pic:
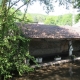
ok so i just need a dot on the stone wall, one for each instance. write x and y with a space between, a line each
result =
42 47
76 45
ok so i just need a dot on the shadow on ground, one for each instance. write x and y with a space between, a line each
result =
58 72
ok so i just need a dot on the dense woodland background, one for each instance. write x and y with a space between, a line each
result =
60 20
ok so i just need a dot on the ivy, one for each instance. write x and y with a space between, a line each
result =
13 46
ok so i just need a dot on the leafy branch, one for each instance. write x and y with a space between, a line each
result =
19 8
9 7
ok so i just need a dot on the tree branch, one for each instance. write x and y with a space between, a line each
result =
9 3
13 4
18 18
25 12
19 8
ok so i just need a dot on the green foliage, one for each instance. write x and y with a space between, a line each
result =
19 16
77 17
51 20
48 5
38 17
65 19
13 50
59 20
13 46
28 18
77 4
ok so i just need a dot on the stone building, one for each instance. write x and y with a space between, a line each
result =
48 40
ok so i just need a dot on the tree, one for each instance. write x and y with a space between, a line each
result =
65 19
59 20
51 20
77 17
19 16
38 17
28 18
77 4
13 46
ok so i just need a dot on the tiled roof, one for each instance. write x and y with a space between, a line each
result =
49 31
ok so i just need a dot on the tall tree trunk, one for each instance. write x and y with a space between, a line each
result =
4 12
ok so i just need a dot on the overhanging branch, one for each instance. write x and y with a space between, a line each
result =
25 12
12 4
19 8
9 3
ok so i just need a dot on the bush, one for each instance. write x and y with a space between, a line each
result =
13 46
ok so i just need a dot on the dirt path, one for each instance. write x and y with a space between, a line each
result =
58 72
